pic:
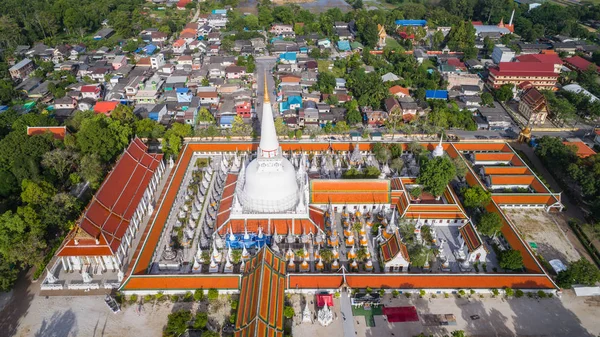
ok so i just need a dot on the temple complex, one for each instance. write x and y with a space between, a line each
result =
261 219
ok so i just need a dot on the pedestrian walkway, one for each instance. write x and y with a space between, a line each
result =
346 310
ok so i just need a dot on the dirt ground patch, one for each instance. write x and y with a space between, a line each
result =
543 229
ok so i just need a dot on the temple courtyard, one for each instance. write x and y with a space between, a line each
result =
568 316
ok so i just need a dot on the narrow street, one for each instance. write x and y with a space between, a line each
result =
346 310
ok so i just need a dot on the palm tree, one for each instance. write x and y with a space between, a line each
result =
326 255
357 226
361 254
236 256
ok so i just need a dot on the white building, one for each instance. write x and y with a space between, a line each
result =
502 54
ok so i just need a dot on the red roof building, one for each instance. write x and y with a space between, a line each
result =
182 3
541 75
105 107
582 150
399 91
578 63
106 229
59 132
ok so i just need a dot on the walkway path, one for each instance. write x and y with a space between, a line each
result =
346 310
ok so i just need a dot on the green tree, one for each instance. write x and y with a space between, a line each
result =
60 161
504 93
458 333
7 91
103 136
325 82
510 259
91 169
341 127
288 312
438 40
213 294
476 196
8 275
173 138
280 128
397 164
579 272
124 114
239 127
435 174
204 116
461 167
37 193
367 32
487 98
490 223
200 320
21 236
353 117
148 128
461 37
177 323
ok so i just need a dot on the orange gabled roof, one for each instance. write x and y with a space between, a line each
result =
350 191
105 107
398 89
470 236
59 132
512 179
497 156
260 311
508 170
182 282
581 149
392 247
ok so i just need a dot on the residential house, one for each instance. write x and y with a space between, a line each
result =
399 91
105 107
389 77
240 45
104 34
184 60
65 103
76 51
217 21
179 46
119 61
287 80
533 106
541 75
436 94
374 118
456 80
565 47
157 112
502 54
324 43
408 107
392 106
343 46
157 61
258 44
496 117
21 70
344 34
279 29
208 96
235 72
243 108
204 30
61 53
184 95
532 48
470 90
340 83
226 120
580 64
91 91
474 64
85 104
292 103
309 117
158 38
214 38
288 58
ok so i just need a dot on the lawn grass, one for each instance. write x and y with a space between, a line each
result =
323 65
369 319
391 43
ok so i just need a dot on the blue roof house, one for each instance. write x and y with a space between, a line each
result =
343 45
292 103
436 94
414 23
219 11
304 50
184 95
226 121
288 57
149 49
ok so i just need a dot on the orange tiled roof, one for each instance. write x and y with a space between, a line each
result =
471 237
350 191
58 132
182 282
500 156
508 170
511 179
105 107
582 150
260 311
392 247
108 215
398 89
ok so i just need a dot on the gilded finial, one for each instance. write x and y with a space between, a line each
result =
266 93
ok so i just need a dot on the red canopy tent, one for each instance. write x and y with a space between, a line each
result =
324 298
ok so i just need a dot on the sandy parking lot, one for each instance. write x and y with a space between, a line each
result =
543 229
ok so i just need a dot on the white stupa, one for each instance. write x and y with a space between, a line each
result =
270 184
439 149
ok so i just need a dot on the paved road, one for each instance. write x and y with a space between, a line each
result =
348 319
264 64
